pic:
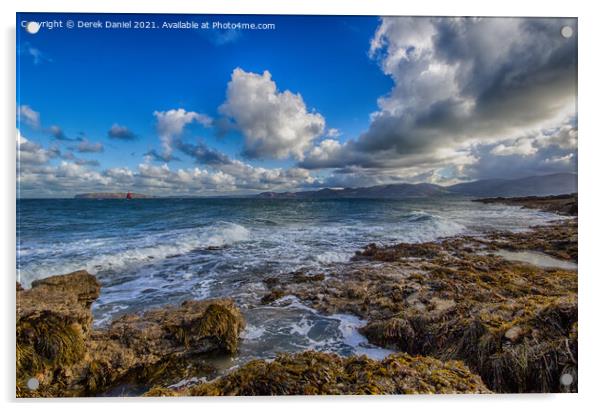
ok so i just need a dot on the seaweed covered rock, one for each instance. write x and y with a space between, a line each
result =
523 346
513 323
53 324
315 373
144 347
57 345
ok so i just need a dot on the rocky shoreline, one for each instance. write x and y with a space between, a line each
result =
462 319
561 204
57 345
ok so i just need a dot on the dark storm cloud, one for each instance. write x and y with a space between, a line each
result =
461 83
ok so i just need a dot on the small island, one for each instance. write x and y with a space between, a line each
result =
111 196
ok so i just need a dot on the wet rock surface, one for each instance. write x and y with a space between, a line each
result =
315 373
57 345
512 323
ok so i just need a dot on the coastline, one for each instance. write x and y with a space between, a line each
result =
439 302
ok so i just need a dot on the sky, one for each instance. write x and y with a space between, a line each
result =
303 103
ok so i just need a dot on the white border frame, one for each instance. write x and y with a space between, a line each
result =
589 187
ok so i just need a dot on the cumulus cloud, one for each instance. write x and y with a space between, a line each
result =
29 152
458 84
87 162
171 123
29 116
86 146
564 137
48 172
58 133
274 124
333 132
119 132
203 154
32 118
521 147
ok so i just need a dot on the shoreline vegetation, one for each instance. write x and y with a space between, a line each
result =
461 318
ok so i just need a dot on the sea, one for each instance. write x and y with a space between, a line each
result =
147 253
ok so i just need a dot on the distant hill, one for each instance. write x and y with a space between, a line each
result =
553 184
107 196
383 191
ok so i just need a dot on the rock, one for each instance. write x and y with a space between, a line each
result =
315 373
272 296
203 326
513 333
300 277
565 204
57 345
438 299
53 324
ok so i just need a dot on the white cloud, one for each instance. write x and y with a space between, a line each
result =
521 147
29 116
327 149
333 132
31 153
171 123
564 137
566 159
274 124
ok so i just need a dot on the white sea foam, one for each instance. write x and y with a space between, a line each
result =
349 326
301 327
232 233
252 332
125 253
328 257
420 227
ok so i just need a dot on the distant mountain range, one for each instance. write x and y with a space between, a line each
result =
552 184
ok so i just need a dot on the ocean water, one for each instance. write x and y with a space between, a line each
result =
148 253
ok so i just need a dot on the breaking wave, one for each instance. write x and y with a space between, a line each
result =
123 253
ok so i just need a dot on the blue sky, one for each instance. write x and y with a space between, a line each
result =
89 79
335 100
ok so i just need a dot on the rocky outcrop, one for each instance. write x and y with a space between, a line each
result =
57 345
512 323
565 204
315 373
